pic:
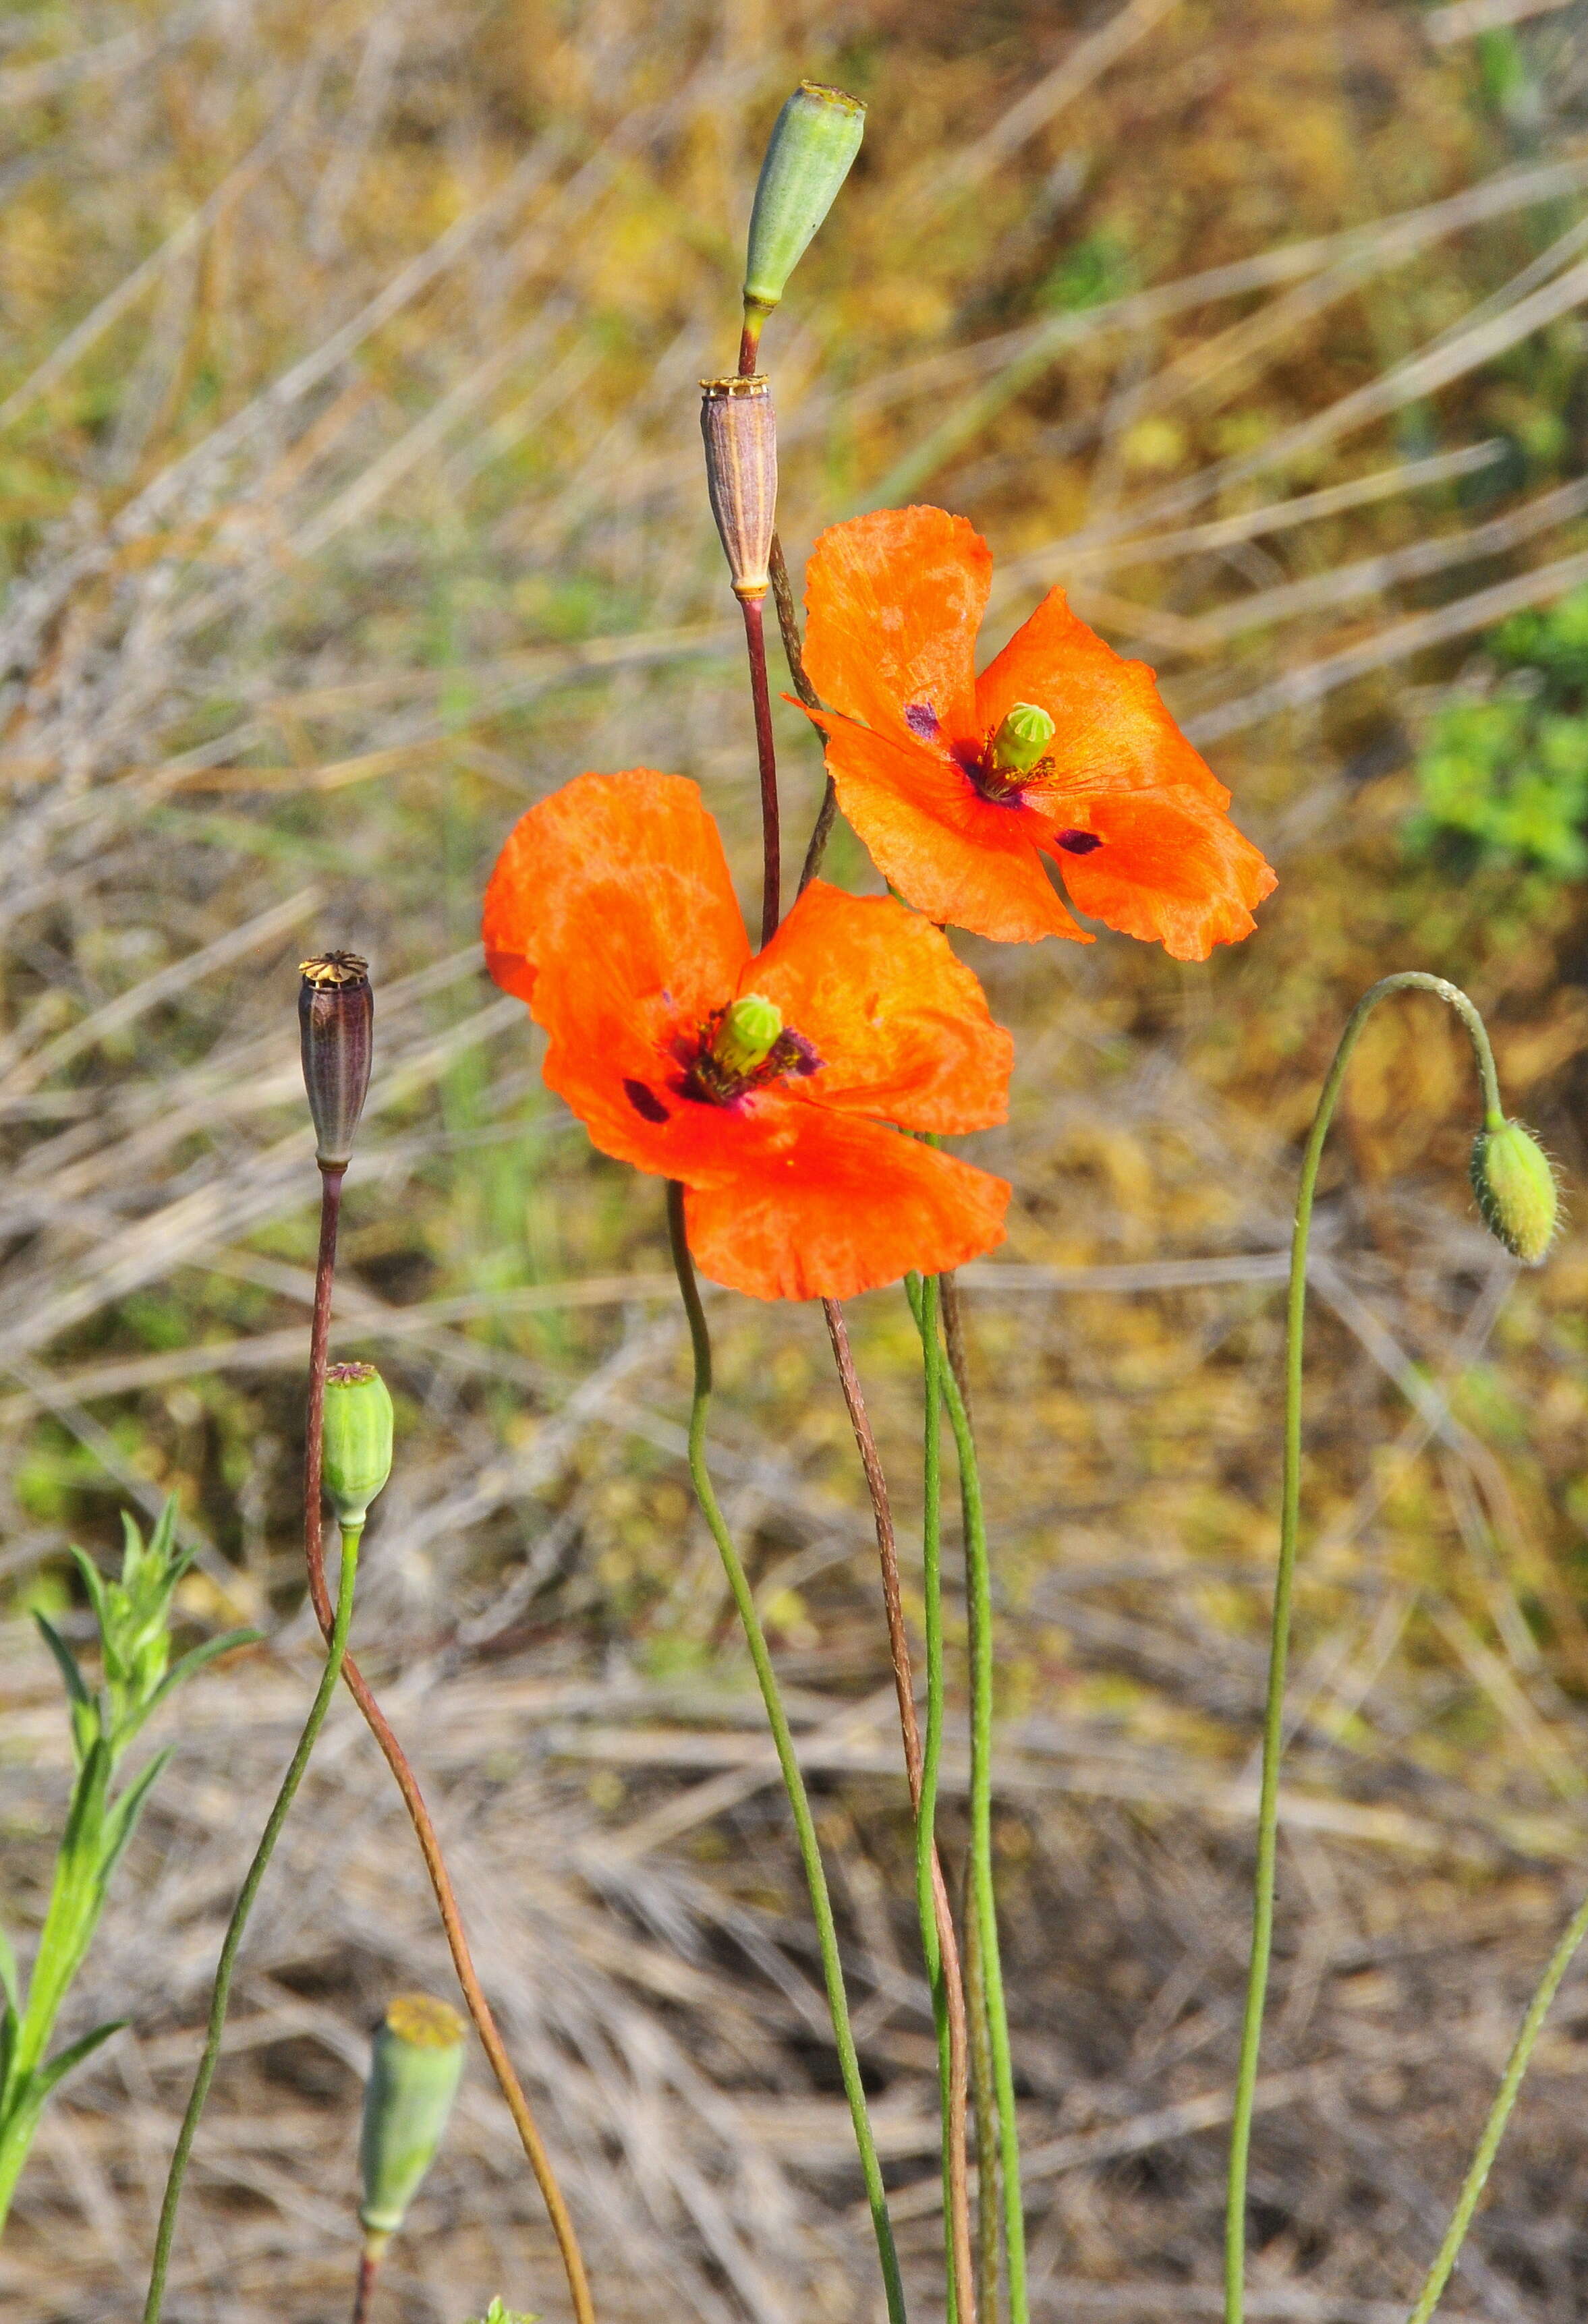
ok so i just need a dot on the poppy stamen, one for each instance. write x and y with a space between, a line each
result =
743 1048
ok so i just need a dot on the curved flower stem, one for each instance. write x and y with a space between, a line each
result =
772 854
1268 1812
954 2068
1505 2097
232 1943
978 1600
396 1759
926 1805
783 1741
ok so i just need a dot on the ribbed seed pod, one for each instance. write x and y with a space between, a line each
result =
413 2079
816 138
357 1440
335 1030
741 431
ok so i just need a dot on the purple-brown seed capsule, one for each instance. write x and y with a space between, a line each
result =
336 1023
741 431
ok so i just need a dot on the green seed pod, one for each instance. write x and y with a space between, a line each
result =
1515 1186
357 1457
817 137
1021 739
413 2077
747 1033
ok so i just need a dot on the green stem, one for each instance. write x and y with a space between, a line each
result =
978 1600
1268 1812
926 1813
985 2095
1505 2097
783 1741
239 1920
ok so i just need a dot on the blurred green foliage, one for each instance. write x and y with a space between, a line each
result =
1503 776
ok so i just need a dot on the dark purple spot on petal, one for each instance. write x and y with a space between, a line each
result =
645 1103
802 1054
1076 843
922 721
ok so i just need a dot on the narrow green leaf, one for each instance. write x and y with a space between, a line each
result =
195 1660
68 2060
66 1661
123 1819
10 1978
93 1583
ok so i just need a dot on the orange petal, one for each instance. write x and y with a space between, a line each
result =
901 1026
950 851
1171 867
610 911
619 879
844 1207
1113 730
895 600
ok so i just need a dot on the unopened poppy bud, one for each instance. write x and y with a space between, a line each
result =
1021 739
336 1025
1514 1183
356 1460
747 1033
816 138
740 432
413 2079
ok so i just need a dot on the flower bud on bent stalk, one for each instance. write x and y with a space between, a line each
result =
814 141
1516 1190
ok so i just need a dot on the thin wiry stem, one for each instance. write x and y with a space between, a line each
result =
978 1602
783 1741
771 856
1268 1811
1505 2097
232 1943
369 2263
954 2069
396 1759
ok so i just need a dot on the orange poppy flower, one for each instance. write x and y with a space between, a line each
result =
959 785
765 1084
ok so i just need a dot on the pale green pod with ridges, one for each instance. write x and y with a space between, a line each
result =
358 1426
816 138
412 2081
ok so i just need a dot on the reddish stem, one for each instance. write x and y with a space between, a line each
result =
368 2263
771 858
479 2008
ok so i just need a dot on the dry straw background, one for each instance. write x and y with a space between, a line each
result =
351 500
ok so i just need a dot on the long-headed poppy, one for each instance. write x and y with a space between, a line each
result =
765 1085
959 785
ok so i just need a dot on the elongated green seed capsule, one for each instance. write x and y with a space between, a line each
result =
1516 1190
747 1033
413 2079
816 138
1021 739
357 1458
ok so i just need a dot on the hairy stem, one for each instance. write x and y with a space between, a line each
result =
979 1601
419 1814
232 1943
783 1741
954 2061
1267 1812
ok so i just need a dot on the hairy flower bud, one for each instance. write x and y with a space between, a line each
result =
336 1025
1021 739
816 138
747 1033
413 2079
1515 1186
358 1451
741 431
